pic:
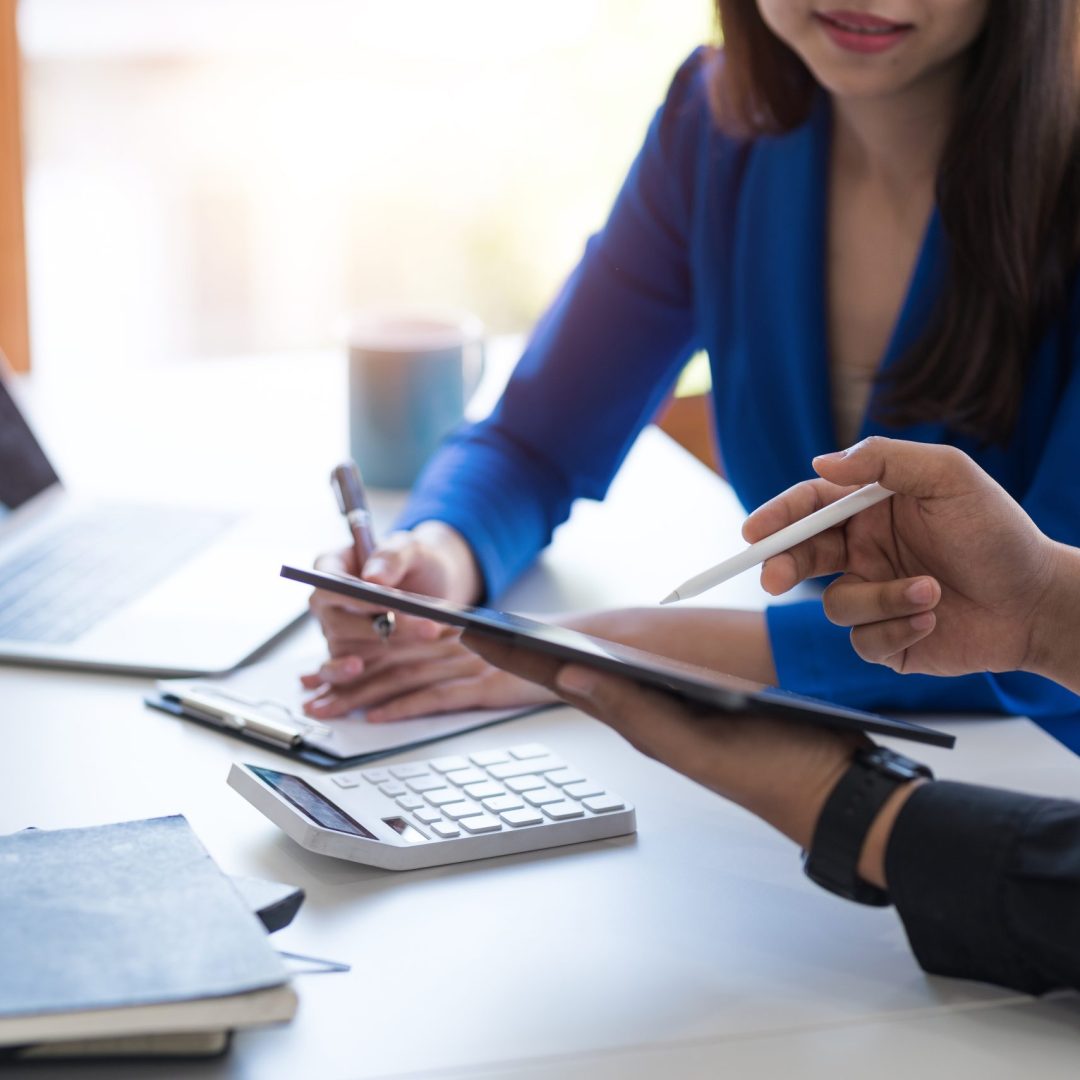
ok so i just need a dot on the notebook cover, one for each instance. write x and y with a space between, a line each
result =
130 914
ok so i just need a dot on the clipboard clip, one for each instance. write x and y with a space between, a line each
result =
239 716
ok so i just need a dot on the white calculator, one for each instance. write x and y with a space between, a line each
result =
445 810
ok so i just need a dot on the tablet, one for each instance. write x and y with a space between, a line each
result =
726 693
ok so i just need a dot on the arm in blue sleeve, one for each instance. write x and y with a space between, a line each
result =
814 657
596 368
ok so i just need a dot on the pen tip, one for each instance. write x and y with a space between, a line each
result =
670 598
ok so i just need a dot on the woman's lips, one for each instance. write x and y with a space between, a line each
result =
861 32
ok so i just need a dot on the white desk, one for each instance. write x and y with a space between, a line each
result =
695 949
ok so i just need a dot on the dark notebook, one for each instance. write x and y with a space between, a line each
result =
128 930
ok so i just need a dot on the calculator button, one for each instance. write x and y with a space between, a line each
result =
528 750
376 776
457 810
448 764
489 757
427 782
427 816
488 789
543 795
562 777
602 804
503 802
525 783
466 776
403 772
445 829
584 789
346 780
393 789
562 811
523 768
480 823
443 796
410 802
525 816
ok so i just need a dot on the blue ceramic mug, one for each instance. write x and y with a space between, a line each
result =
411 372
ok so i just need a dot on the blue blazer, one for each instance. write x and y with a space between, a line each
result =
719 243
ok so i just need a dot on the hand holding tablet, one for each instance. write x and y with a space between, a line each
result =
703 686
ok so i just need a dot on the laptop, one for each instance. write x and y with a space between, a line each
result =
165 590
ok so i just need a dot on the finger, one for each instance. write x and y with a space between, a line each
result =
791 506
375 652
342 561
379 657
850 601
886 642
335 671
355 660
355 620
525 663
391 561
333 607
390 684
923 470
451 696
825 553
653 722
366 648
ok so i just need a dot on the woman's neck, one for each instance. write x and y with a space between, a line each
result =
897 141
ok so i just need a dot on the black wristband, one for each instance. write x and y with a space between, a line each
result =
849 811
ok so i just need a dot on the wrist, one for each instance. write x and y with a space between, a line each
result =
1052 648
465 582
796 809
847 852
871 866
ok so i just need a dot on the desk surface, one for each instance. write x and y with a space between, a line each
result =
695 948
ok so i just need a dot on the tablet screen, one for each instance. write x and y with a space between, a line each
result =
728 693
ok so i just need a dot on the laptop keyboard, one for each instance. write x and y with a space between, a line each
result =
94 563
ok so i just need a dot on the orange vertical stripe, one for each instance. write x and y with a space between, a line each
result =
14 314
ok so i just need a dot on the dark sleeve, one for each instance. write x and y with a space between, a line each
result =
597 367
987 883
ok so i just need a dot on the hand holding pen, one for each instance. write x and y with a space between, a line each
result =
370 661
353 504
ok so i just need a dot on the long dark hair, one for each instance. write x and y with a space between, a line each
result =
1008 192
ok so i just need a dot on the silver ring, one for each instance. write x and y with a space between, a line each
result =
384 624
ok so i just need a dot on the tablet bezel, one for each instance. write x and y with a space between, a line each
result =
702 686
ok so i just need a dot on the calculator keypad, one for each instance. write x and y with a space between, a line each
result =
520 787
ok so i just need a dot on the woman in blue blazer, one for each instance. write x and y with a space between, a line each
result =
870 220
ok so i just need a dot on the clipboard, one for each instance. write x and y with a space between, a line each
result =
697 685
260 705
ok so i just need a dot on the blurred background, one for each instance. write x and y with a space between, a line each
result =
215 177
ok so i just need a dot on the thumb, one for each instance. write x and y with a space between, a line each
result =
922 470
602 694
389 565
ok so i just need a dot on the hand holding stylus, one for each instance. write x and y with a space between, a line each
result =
790 536
944 578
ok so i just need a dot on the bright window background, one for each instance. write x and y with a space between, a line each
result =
213 177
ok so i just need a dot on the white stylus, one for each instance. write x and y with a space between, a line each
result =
786 538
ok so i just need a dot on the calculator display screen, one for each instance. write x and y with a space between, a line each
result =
305 798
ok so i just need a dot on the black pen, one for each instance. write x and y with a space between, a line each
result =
352 501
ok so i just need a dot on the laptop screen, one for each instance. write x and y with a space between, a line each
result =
24 469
